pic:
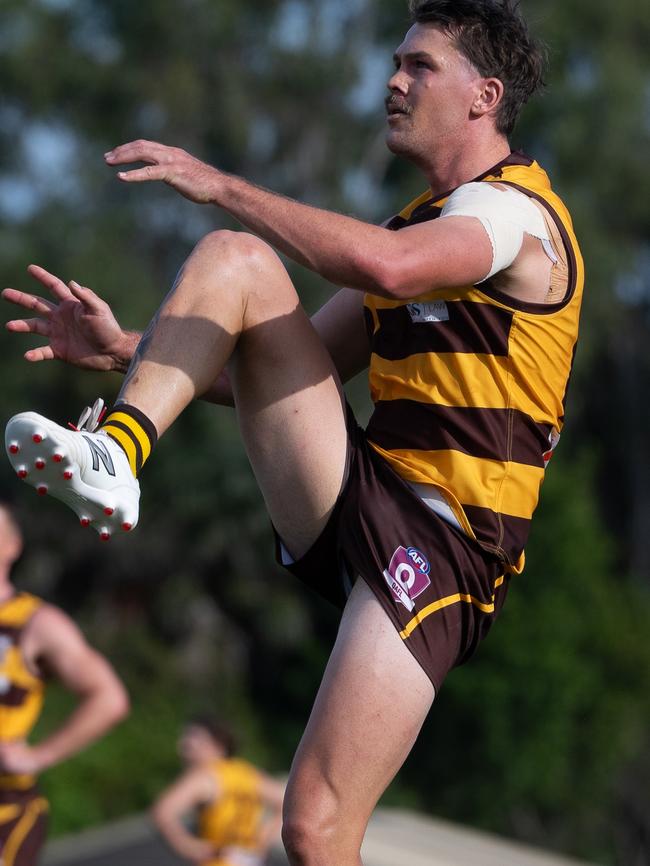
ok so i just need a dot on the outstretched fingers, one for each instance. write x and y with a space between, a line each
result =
56 286
138 151
29 302
41 327
149 172
42 353
91 302
155 154
29 326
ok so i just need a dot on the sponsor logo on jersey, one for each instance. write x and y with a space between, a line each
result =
428 311
407 575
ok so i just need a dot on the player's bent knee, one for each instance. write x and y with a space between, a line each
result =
244 265
232 249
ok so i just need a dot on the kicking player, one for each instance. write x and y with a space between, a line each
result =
237 806
37 640
465 306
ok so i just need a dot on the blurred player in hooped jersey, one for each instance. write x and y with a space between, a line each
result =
237 806
38 641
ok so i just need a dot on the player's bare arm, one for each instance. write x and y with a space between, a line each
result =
272 795
343 250
193 789
54 645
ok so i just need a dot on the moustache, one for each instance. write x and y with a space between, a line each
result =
396 103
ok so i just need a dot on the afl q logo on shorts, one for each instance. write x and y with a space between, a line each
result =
407 575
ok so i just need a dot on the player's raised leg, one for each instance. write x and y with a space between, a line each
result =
233 300
370 707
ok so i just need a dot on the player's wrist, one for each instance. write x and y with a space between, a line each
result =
122 354
42 757
219 187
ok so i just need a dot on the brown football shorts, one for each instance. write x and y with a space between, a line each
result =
23 826
441 590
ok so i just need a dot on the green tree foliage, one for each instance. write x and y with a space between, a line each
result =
544 735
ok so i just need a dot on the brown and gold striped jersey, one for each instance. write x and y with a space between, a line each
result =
469 384
234 819
21 691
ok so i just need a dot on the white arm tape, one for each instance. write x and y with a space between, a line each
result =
505 215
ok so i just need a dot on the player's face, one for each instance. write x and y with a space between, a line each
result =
196 745
431 94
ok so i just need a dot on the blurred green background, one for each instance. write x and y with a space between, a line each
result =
545 735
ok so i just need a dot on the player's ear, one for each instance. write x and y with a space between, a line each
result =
489 93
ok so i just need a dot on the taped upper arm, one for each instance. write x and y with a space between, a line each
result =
505 214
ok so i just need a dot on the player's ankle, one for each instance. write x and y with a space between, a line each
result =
133 431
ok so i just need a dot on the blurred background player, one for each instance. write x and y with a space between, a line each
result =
37 640
238 807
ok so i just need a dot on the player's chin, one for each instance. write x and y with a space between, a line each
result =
397 142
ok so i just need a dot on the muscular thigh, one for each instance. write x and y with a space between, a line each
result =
291 411
369 710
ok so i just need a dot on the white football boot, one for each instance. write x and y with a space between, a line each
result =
86 470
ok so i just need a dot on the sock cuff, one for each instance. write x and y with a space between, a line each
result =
137 415
133 432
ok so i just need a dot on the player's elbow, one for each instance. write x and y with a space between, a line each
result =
157 815
163 817
118 704
391 280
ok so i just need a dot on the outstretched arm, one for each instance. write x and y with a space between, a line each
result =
188 793
345 251
81 329
54 643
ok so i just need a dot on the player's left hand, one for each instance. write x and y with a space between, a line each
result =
79 325
18 758
194 179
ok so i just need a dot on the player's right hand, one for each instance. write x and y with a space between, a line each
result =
196 180
79 326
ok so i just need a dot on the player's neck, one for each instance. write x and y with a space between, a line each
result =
448 169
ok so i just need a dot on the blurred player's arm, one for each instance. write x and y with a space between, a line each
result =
58 648
272 794
81 329
192 790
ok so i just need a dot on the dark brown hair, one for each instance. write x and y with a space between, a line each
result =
494 37
219 732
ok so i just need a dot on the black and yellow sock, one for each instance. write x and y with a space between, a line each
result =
133 432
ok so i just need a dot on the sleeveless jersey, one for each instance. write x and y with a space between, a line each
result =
469 384
234 819
21 691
